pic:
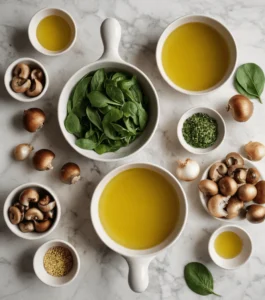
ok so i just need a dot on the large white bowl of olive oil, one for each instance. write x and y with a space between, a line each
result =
196 54
138 210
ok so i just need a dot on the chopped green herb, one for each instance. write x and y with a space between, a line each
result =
200 130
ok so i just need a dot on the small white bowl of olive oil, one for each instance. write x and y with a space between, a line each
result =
52 31
230 247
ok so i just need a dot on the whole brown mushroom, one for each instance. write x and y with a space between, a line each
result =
255 213
253 176
234 158
260 197
70 173
234 207
42 160
247 192
33 119
227 186
208 187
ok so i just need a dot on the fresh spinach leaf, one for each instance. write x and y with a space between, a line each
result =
121 130
94 117
129 109
142 115
80 91
136 93
87 144
105 109
127 83
199 279
72 123
115 93
242 91
251 78
119 76
98 99
129 125
113 116
97 81
89 133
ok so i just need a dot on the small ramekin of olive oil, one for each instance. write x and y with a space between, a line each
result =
52 31
230 246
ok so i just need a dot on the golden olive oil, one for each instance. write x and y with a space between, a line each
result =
54 33
228 244
139 208
195 56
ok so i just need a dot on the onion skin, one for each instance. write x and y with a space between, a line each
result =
33 119
42 160
255 151
241 108
22 151
70 173
187 170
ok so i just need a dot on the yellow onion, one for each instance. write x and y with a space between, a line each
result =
255 151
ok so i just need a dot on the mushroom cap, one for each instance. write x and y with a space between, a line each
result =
234 207
216 206
247 192
33 119
47 207
42 226
34 214
20 85
234 158
35 88
253 176
227 186
260 197
255 213
217 171
42 160
37 74
70 173
22 70
27 226
208 187
27 196
15 215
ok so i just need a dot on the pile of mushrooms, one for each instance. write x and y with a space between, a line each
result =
32 212
28 81
232 189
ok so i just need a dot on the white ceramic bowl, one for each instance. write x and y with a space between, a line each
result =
34 22
212 113
237 261
13 198
47 278
226 34
139 260
204 199
33 63
111 61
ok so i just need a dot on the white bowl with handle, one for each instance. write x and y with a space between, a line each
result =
139 260
111 61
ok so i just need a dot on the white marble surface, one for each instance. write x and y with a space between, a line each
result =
103 274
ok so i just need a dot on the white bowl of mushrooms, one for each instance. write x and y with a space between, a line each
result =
233 189
26 80
32 211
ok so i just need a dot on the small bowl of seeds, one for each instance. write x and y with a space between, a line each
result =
201 130
56 263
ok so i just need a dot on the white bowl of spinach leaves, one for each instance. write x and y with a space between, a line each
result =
108 110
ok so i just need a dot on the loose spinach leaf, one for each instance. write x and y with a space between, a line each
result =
199 279
242 91
94 117
115 93
97 81
87 144
251 78
98 99
80 91
72 123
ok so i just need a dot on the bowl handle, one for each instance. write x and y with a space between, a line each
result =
138 273
110 34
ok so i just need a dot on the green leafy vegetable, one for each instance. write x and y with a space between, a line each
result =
106 111
199 279
249 81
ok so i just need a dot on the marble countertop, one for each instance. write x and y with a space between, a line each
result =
103 274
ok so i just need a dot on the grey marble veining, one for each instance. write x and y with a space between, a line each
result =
103 274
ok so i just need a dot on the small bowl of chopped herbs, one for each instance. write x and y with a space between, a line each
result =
201 130
56 263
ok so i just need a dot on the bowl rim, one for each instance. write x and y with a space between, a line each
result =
127 252
10 199
42 49
213 237
68 245
17 96
159 48
90 68
203 200
182 141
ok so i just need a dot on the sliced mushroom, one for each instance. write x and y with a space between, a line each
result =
234 207
260 197
20 206
217 171
46 204
247 192
208 187
20 85
27 196
240 176
227 186
37 74
253 176
234 158
15 215
34 214
216 206
35 89
22 70
26 226
42 226
49 215
255 213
